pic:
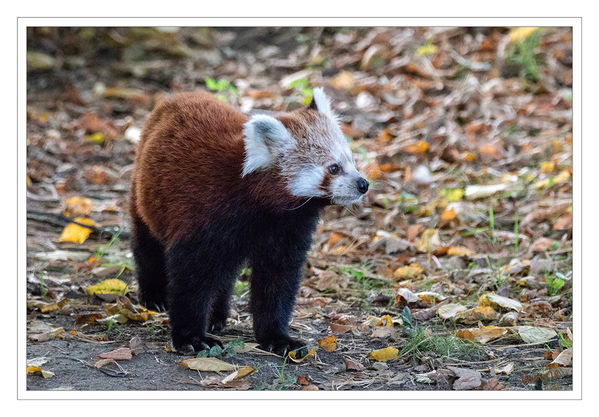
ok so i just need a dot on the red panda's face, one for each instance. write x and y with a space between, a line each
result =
309 150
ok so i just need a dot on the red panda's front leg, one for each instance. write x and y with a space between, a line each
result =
277 262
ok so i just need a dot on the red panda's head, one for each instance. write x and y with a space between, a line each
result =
309 151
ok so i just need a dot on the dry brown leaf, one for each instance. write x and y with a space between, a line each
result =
120 354
208 365
352 365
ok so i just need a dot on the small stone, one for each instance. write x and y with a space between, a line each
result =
379 366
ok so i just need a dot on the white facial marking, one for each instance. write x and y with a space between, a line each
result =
265 137
306 183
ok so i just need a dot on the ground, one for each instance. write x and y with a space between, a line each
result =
459 264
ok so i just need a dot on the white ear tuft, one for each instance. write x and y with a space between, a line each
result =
322 102
265 138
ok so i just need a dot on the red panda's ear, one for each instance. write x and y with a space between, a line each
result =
321 102
265 138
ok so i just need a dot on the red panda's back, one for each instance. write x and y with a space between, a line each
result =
189 157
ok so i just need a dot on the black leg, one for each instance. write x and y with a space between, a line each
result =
150 267
197 274
276 275
220 308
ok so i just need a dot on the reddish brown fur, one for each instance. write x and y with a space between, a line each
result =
188 167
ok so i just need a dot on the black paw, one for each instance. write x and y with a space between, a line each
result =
196 345
283 346
153 304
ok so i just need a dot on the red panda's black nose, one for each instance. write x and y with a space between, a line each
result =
362 185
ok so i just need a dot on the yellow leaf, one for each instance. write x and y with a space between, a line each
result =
383 355
109 286
483 334
75 233
208 365
408 272
448 215
328 343
95 138
33 369
547 166
54 306
474 315
77 206
469 157
386 321
459 251
311 353
427 49
343 81
452 194
240 373
518 34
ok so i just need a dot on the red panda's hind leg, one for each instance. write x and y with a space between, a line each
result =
150 269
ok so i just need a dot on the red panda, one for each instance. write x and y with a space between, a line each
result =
212 190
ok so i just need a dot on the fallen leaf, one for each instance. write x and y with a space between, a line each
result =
310 354
54 306
405 297
506 369
207 365
498 302
452 195
408 272
467 378
343 81
541 245
103 362
352 365
459 251
530 334
483 334
474 192
418 147
382 355
328 343
109 286
448 215
563 359
474 315
340 328
521 33
77 206
449 311
492 384
430 296
240 373
120 354
429 241
75 233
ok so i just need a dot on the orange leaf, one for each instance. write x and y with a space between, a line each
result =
328 343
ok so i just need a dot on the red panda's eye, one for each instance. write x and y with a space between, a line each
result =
334 169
